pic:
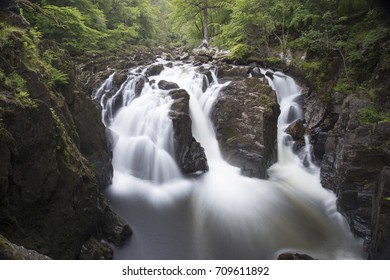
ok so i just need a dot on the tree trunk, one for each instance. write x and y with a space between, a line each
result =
205 41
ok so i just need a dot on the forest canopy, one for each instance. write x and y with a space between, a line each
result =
241 25
344 31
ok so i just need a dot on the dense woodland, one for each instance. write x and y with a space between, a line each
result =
343 38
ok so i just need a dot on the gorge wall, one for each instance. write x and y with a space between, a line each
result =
54 159
352 150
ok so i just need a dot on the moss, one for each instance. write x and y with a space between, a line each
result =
240 52
16 84
344 85
313 72
266 100
65 147
371 115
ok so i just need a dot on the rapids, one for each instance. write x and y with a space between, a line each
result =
220 214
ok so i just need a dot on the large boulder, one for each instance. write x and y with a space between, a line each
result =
245 119
165 85
232 72
354 167
154 70
190 154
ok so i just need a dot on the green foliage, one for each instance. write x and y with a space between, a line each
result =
314 72
15 83
58 77
344 85
240 52
187 19
84 25
371 115
67 26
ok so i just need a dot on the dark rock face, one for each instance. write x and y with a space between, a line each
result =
355 157
54 155
10 251
114 228
320 118
189 153
245 117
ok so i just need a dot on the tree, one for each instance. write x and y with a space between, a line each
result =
189 13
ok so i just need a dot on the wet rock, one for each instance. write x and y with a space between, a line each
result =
206 72
314 110
355 155
256 72
207 78
184 56
190 155
93 143
245 117
297 130
114 228
164 85
10 251
139 85
291 256
201 58
154 70
95 250
231 72
120 78
270 74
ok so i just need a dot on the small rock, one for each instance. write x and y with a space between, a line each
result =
256 73
297 130
291 256
95 250
270 74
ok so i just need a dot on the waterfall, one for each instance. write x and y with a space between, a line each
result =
221 214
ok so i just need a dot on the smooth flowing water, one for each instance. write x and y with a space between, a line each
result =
220 214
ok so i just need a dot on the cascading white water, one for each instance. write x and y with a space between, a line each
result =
221 214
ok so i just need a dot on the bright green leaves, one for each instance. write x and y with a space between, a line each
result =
79 26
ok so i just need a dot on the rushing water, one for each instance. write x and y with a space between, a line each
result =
221 214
